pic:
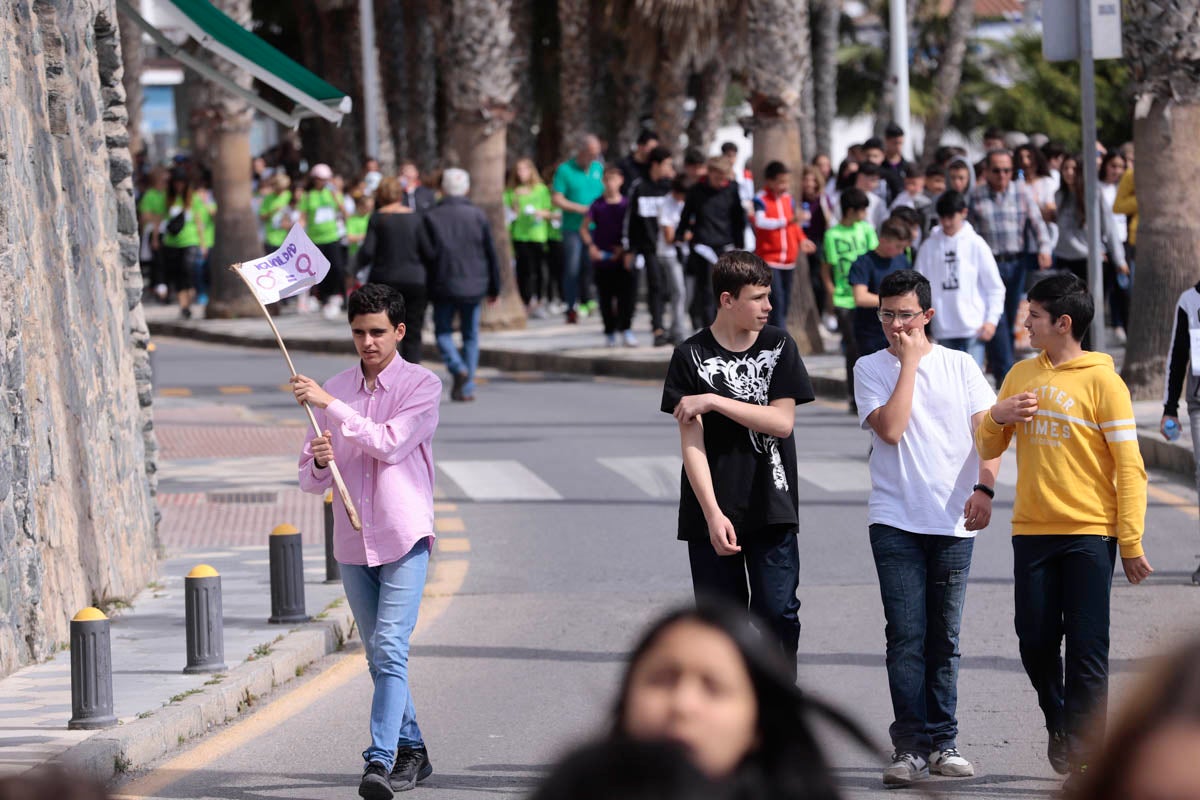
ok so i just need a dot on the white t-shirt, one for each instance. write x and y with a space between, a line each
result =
921 484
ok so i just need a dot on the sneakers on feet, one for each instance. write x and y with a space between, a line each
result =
905 769
412 767
662 339
572 316
1056 752
610 340
374 784
950 763
456 391
630 339
1196 576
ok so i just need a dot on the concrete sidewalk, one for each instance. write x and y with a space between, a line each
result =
551 346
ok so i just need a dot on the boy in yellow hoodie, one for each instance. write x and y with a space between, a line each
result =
1081 493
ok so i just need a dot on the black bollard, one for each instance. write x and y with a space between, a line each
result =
333 573
204 623
287 576
91 672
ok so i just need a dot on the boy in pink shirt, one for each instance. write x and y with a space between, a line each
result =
381 416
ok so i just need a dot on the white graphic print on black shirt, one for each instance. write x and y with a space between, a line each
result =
753 474
748 379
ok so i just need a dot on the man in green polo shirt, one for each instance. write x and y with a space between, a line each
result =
577 184
320 209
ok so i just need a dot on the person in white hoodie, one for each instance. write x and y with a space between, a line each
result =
967 290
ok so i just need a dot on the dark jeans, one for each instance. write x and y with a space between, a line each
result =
615 286
415 301
845 321
781 294
657 289
555 258
923 583
531 259
1000 347
1062 590
770 560
334 283
703 309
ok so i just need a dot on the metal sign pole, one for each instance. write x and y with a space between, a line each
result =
898 22
370 68
1087 85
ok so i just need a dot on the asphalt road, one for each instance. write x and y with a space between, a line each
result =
567 489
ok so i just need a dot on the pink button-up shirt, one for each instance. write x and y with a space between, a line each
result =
383 446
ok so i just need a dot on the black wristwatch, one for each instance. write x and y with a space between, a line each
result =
989 491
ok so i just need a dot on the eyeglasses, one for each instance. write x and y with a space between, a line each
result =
905 317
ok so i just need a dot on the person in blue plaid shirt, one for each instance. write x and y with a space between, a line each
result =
1003 212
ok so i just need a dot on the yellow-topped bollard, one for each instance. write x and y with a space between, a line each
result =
333 573
91 671
287 576
204 620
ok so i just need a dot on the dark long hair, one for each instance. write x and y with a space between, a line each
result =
177 177
789 763
1168 693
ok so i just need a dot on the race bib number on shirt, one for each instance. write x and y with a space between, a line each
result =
324 215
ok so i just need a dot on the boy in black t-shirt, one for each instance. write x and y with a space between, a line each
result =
733 388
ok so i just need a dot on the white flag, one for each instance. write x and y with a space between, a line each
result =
294 267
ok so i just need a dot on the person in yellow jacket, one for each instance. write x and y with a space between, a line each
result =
1081 495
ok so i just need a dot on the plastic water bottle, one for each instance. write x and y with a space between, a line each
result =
1171 429
1123 279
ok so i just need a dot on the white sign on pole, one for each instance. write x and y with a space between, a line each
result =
297 265
1060 29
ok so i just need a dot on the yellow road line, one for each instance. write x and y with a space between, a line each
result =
1175 501
453 545
174 391
234 389
449 525
444 508
446 581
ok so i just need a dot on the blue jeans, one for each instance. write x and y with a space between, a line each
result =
781 294
923 583
575 255
466 362
764 577
385 601
968 344
1062 591
1000 348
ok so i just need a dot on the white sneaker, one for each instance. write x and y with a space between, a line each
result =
160 291
905 769
949 763
630 339
830 322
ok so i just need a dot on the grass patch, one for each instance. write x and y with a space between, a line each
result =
215 679
179 698
121 764
145 714
301 669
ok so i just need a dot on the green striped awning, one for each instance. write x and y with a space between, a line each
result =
222 36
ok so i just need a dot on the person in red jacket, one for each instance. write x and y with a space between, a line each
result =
779 237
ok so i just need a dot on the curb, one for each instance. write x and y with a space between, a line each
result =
136 745
1155 452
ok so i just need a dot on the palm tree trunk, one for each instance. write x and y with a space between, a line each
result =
421 109
949 75
1161 42
237 232
670 93
521 139
131 79
826 15
393 73
774 70
713 85
575 74
1168 164
479 94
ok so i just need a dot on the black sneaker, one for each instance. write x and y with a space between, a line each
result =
1056 751
460 380
662 339
412 766
374 784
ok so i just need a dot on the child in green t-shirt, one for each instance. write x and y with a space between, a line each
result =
529 201
844 243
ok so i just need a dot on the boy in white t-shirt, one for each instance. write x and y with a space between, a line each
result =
930 493
965 281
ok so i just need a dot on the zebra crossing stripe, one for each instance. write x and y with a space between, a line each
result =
497 480
657 476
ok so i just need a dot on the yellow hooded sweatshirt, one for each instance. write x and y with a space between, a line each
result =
1079 469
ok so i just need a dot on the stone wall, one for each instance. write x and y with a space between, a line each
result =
77 449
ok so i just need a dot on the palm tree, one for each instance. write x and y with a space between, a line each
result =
774 75
825 16
712 86
948 76
237 231
574 75
1161 42
479 89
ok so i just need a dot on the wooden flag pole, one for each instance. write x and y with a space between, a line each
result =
351 511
